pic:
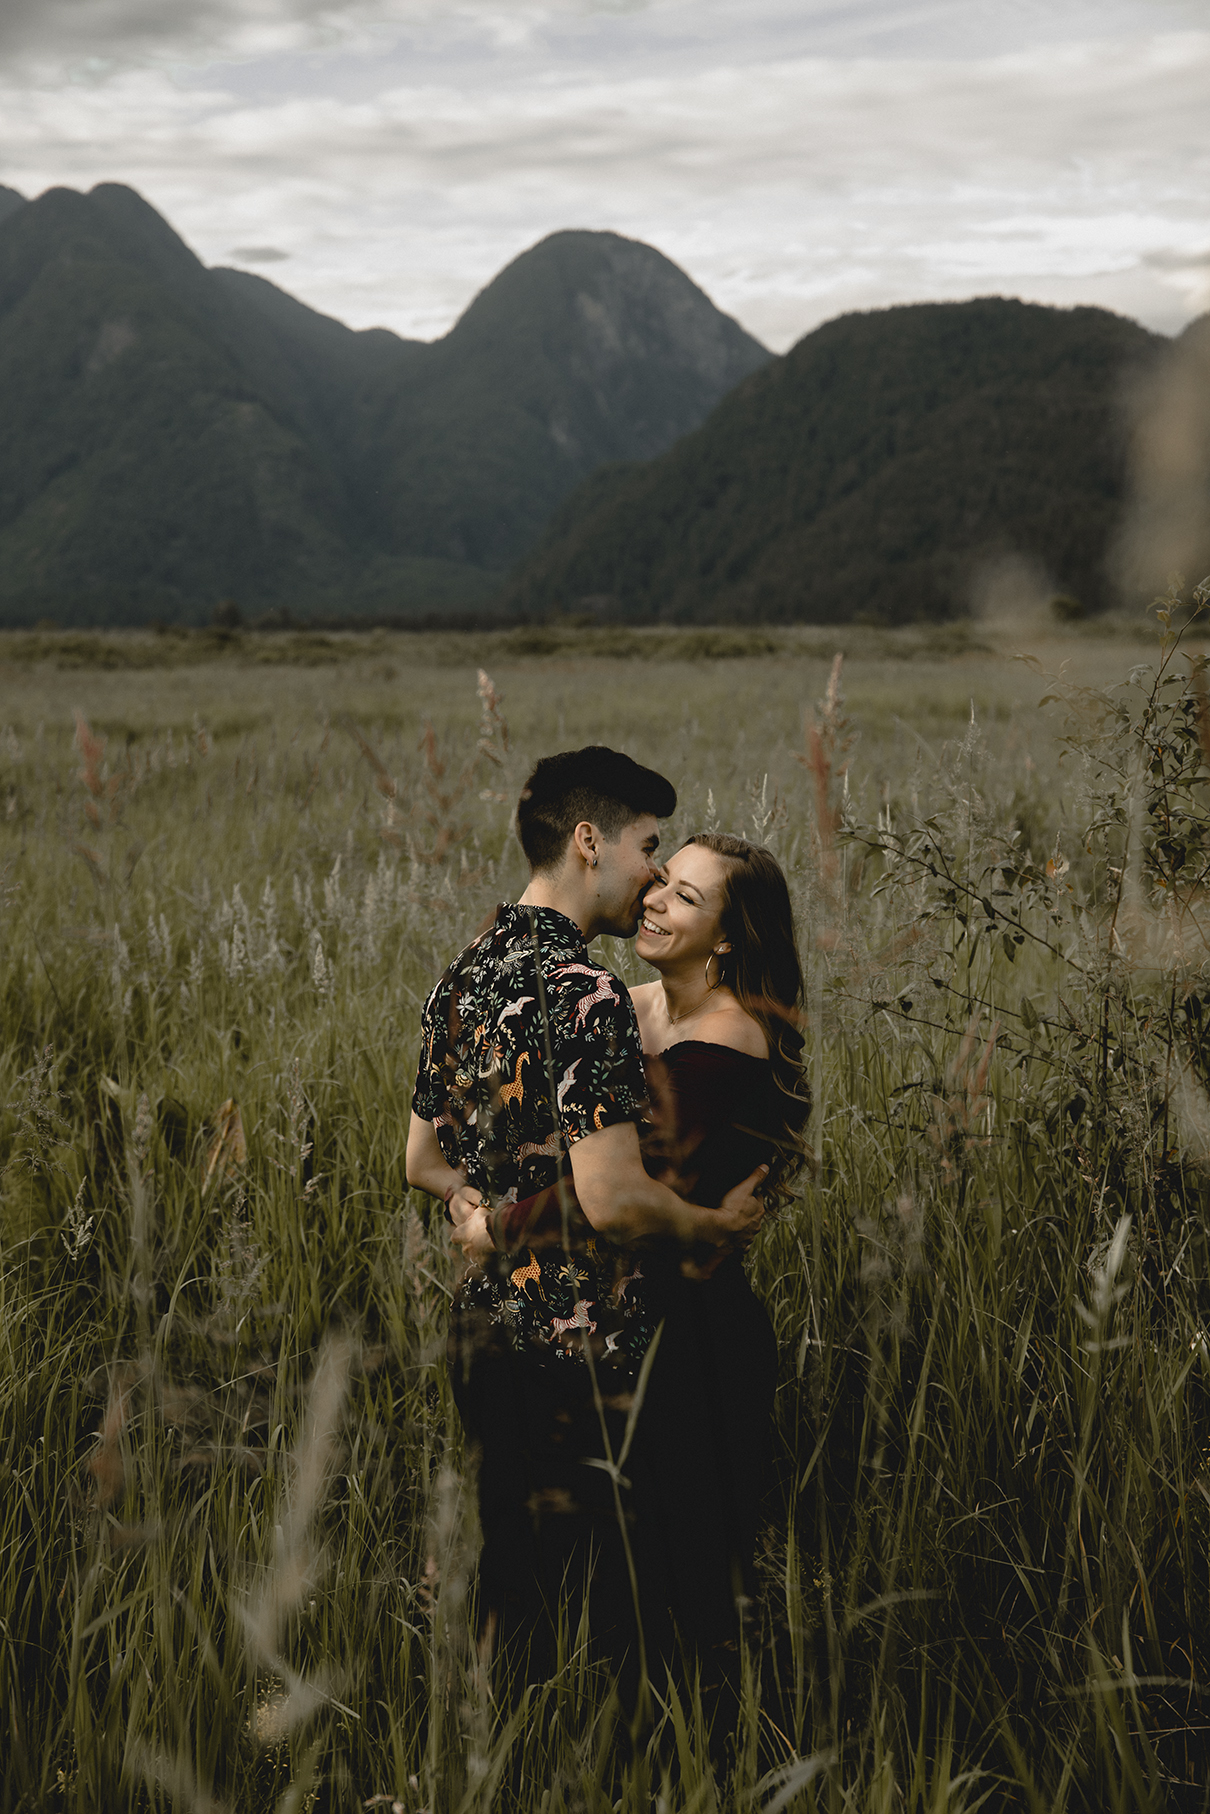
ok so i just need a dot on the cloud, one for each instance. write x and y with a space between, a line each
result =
797 158
93 39
1179 261
97 37
258 255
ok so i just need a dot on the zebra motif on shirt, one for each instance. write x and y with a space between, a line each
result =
619 1290
563 1325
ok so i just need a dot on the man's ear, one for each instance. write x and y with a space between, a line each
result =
584 842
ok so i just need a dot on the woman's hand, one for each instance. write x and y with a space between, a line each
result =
739 1216
734 1226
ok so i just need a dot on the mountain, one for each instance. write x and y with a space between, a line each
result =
175 435
164 445
589 348
873 472
10 201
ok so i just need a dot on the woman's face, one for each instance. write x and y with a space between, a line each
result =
681 921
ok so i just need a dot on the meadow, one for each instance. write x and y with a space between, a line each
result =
237 1527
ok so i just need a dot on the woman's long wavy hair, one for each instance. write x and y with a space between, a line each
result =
763 971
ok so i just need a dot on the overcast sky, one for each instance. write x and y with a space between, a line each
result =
383 159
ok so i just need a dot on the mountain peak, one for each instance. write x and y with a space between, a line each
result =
177 435
621 300
587 349
112 224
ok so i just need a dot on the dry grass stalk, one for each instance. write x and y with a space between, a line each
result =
493 726
103 788
957 1116
175 1777
106 1464
228 1149
384 781
296 1562
828 744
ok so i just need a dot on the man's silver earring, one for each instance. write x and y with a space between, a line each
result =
594 862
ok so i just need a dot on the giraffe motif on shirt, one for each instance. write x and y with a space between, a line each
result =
522 1277
515 1091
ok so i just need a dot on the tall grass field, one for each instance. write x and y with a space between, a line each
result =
237 1525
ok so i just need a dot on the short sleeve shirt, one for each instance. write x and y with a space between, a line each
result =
526 1047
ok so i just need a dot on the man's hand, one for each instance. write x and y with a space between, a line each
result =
741 1212
469 1216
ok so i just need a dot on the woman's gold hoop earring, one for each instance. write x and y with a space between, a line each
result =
709 961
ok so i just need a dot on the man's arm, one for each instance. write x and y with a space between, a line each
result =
624 1203
428 1169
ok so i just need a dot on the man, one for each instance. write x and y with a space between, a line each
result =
531 1069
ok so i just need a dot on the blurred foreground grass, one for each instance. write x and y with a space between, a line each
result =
236 1535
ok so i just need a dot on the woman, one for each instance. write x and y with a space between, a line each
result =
723 1055
722 1051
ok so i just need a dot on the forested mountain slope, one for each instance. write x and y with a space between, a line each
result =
877 471
171 436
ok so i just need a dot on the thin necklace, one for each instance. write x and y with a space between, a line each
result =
674 1020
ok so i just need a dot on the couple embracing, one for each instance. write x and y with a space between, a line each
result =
605 1155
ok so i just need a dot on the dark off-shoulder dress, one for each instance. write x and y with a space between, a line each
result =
700 1454
704 1434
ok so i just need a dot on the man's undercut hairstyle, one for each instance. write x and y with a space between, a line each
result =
598 784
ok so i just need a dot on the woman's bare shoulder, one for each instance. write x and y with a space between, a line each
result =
731 1026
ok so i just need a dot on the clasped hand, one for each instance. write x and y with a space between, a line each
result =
469 1228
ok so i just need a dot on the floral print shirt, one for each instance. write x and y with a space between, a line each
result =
526 1048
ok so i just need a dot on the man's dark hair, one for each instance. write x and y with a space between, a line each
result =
598 784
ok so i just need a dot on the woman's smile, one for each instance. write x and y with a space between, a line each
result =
682 908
